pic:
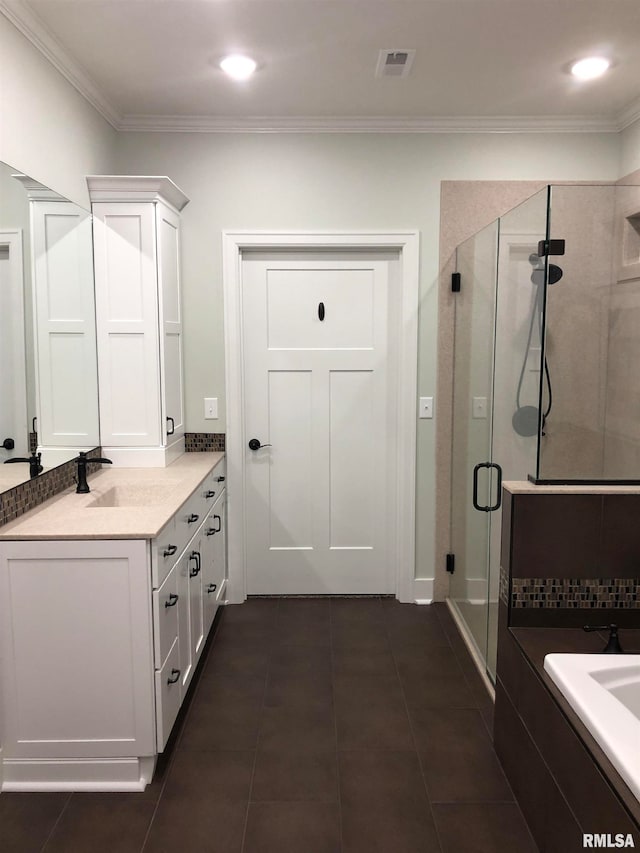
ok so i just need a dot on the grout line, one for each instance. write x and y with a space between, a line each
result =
57 821
262 707
413 735
335 724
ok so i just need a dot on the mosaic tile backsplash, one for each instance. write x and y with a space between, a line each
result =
576 593
204 442
15 502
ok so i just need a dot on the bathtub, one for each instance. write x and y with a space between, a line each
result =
604 691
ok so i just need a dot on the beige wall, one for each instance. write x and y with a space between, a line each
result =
47 129
630 149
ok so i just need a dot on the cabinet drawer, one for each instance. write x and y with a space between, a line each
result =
165 550
168 695
189 518
165 617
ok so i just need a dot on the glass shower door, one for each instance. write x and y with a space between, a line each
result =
474 486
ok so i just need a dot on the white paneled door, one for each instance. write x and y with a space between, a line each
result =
318 362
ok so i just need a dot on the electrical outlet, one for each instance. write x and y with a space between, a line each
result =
210 408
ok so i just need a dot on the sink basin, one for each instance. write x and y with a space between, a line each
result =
150 493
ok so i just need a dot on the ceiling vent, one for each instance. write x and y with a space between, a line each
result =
394 63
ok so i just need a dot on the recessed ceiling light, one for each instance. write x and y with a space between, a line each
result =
590 68
239 67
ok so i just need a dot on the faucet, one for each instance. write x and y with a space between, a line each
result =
35 467
613 646
83 487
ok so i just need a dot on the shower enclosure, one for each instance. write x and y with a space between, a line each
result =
546 370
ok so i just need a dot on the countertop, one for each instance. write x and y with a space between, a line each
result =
524 487
72 516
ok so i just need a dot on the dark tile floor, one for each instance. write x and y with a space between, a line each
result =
315 726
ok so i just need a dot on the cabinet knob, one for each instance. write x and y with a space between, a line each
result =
192 518
220 479
170 550
172 600
210 494
212 587
175 675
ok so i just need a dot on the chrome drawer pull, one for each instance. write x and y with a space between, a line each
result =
172 601
169 551
175 675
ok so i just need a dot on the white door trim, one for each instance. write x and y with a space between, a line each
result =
402 550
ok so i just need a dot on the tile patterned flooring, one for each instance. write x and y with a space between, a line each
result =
313 726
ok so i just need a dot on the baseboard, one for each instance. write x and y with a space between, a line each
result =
144 457
471 648
118 774
423 590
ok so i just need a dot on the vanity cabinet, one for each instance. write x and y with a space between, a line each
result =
99 640
136 231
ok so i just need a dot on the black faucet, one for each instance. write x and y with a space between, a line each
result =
83 487
613 646
35 467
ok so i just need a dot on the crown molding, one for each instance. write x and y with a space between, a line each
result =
136 188
368 124
629 115
33 28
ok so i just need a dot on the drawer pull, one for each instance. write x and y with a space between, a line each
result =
170 550
219 527
195 556
210 494
175 675
212 588
173 426
193 517
172 600
220 479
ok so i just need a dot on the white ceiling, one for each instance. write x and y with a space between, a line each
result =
497 64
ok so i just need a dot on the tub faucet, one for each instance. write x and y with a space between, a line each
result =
35 467
613 646
83 487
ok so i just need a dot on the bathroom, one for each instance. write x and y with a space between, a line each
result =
445 185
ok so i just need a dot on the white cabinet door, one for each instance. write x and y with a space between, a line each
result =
127 324
168 241
77 676
213 562
195 595
65 333
184 620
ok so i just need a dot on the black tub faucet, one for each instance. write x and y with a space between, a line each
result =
35 467
613 646
83 487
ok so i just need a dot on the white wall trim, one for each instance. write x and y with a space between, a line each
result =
369 124
407 244
33 28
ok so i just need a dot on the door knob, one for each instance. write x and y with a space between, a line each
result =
254 444
8 444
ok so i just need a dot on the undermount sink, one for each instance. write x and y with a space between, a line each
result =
150 493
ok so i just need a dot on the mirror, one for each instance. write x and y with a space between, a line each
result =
48 366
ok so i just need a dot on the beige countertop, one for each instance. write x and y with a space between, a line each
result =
524 487
151 496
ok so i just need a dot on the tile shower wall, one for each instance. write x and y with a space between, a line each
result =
564 554
15 502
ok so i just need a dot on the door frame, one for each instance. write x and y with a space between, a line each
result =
407 244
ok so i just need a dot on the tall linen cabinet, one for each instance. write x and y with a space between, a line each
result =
136 229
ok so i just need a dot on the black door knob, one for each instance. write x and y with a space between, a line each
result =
8 444
254 444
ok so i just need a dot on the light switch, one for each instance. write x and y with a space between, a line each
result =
480 408
425 409
210 408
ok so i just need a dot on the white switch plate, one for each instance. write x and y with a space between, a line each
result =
210 408
480 408
425 409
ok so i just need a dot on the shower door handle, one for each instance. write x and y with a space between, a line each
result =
498 503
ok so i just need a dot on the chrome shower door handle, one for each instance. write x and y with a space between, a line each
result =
498 503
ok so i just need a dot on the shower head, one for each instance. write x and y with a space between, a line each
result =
554 274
